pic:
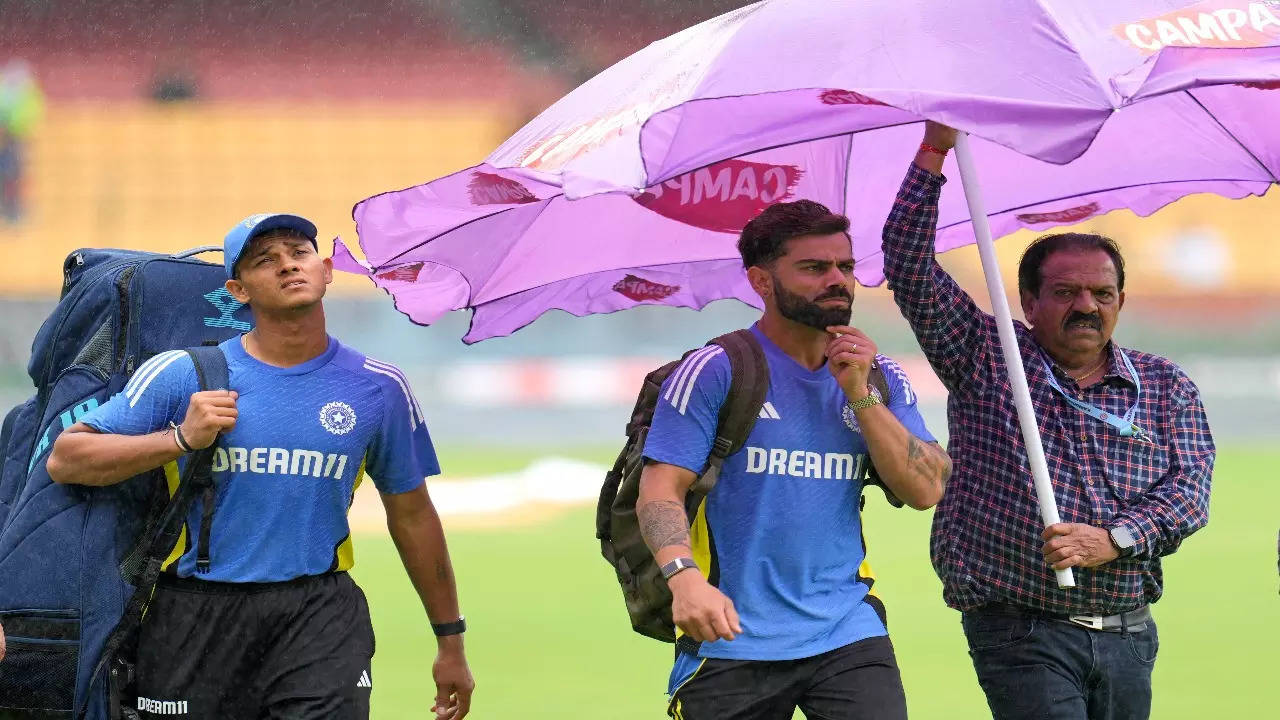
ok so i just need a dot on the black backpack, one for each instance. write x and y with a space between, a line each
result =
644 591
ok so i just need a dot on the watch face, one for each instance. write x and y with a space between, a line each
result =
1122 537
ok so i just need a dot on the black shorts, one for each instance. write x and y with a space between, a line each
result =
859 680
296 649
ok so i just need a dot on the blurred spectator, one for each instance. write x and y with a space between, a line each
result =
21 107
174 80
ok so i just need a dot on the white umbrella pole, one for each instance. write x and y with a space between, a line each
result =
1009 343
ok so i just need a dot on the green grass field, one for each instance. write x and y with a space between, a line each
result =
549 637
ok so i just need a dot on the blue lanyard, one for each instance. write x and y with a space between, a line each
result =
1124 424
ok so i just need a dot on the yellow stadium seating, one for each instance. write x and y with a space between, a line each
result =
165 178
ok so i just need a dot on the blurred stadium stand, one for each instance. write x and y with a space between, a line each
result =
238 50
312 105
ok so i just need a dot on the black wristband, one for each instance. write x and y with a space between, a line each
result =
457 627
183 445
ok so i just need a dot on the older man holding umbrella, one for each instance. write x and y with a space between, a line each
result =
1127 443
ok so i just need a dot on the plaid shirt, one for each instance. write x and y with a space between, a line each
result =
986 541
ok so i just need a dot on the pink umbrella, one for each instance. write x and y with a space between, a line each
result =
631 189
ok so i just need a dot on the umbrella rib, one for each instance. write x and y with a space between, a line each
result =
1232 135
1100 190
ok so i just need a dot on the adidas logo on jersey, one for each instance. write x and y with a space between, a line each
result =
365 681
768 412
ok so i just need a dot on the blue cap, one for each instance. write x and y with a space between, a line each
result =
254 225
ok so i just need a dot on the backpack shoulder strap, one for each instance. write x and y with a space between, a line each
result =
872 476
154 547
747 389
211 367
879 381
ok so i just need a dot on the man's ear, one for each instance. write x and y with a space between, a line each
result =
761 281
1028 304
237 291
328 271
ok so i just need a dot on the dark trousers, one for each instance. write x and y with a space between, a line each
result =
1038 668
856 681
296 650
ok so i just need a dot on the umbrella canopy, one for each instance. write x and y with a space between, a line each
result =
632 189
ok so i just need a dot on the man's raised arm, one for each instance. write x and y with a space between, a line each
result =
949 326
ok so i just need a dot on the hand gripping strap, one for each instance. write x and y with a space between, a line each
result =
211 369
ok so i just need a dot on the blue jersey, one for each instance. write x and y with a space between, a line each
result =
285 476
780 534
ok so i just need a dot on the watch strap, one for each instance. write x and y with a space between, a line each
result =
457 627
677 565
872 398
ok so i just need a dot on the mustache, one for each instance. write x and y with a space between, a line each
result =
835 293
1093 321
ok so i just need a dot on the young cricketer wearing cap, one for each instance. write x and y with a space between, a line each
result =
276 627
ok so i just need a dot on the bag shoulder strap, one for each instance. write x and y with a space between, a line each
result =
211 367
747 390
872 477
154 547
211 370
879 381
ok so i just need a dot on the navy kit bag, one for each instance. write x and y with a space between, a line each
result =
76 560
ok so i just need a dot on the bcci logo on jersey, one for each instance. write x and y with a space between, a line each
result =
338 418
851 418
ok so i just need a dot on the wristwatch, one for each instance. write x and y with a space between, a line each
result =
872 398
681 563
1122 539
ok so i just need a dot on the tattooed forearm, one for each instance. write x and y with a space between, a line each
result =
443 571
928 461
915 449
663 523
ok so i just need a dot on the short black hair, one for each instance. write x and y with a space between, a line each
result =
1029 278
764 239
